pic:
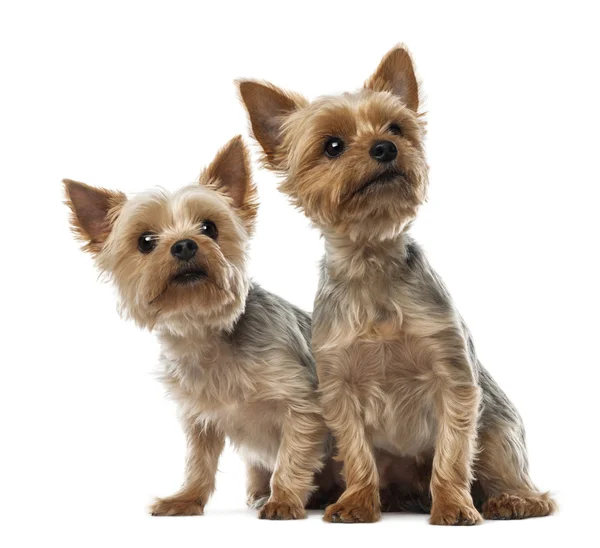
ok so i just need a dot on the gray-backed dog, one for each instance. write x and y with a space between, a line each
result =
236 358
396 364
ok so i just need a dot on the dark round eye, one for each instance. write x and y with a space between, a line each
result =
334 147
208 228
147 242
395 129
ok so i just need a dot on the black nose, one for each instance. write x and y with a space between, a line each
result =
383 151
184 250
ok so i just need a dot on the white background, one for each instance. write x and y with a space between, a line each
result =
135 95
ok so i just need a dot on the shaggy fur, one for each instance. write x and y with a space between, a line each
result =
396 364
236 358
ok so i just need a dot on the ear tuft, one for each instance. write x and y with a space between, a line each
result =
396 74
93 211
230 174
268 106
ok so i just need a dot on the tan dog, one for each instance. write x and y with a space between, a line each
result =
236 358
396 364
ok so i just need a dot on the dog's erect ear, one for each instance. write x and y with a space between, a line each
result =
93 211
230 174
396 74
268 107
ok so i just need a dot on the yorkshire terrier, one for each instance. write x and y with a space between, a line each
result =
397 367
236 358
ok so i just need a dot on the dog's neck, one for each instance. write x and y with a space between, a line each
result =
350 258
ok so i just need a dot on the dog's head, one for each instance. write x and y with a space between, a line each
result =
179 257
354 163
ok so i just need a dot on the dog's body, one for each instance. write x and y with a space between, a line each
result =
236 358
255 385
405 325
397 369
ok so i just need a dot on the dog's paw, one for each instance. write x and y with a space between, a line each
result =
349 512
281 510
176 507
257 500
509 506
454 514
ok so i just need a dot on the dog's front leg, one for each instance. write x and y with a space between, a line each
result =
300 455
205 445
456 406
343 415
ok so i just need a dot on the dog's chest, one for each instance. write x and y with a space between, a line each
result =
396 393
373 309
386 361
213 377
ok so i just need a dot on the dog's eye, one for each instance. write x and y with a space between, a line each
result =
208 228
147 242
334 147
395 129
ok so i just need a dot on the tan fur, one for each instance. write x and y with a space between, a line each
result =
260 396
397 370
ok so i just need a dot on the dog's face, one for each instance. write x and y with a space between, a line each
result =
179 257
353 163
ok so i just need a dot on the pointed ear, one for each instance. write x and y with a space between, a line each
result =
230 174
268 107
93 212
396 74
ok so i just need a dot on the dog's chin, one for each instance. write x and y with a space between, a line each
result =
189 277
376 208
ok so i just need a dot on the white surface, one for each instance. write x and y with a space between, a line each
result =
135 95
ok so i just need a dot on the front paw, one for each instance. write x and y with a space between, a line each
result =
352 512
454 514
177 507
281 510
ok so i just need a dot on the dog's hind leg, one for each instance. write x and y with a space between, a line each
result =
502 471
258 488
